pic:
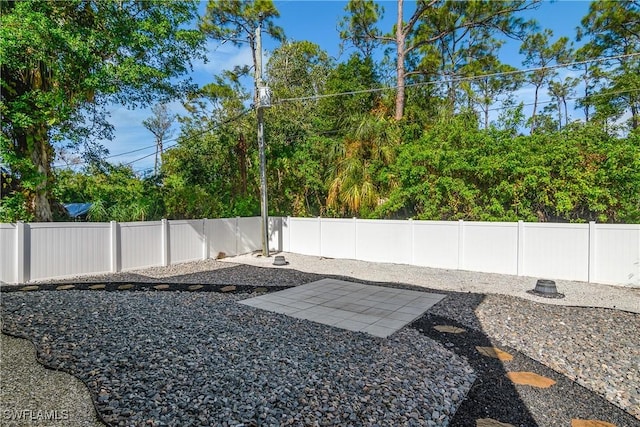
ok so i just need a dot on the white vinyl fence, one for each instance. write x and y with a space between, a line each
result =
600 253
39 251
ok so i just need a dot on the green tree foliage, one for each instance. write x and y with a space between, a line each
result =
296 146
59 60
115 192
335 146
210 174
456 171
432 34
540 54
236 21
358 75
360 177
613 30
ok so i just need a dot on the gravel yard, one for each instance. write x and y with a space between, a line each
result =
152 357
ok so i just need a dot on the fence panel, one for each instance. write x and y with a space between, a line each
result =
276 237
384 241
338 238
221 234
304 236
602 253
435 244
556 251
8 247
140 244
490 247
68 249
186 239
617 254
249 234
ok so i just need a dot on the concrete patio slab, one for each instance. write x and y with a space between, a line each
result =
376 310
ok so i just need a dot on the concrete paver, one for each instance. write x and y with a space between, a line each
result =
376 310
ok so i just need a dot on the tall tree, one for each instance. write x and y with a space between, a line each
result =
296 150
613 30
160 126
490 79
359 26
211 160
59 59
560 90
236 21
540 54
431 21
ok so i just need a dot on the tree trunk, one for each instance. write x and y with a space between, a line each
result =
41 159
559 114
535 107
400 70
486 105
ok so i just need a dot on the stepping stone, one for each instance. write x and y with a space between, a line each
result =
229 288
64 287
449 329
97 287
161 287
495 352
261 290
590 423
125 287
490 422
195 287
29 288
530 378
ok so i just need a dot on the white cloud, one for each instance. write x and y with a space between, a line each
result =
223 57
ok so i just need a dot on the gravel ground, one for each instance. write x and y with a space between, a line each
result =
183 359
141 353
33 395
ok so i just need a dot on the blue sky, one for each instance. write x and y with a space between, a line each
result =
316 21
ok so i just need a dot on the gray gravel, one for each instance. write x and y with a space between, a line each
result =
598 347
32 395
179 358
580 294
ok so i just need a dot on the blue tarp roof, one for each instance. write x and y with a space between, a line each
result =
77 209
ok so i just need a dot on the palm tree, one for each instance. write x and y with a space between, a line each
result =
355 187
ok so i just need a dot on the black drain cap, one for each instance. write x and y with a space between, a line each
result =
546 288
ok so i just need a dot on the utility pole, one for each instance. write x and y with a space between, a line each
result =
261 147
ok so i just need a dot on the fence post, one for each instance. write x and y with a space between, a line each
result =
115 247
288 234
279 225
520 266
413 241
165 242
460 244
23 261
205 240
355 238
237 234
320 236
592 252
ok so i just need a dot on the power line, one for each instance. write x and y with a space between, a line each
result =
166 147
457 79
575 98
217 125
